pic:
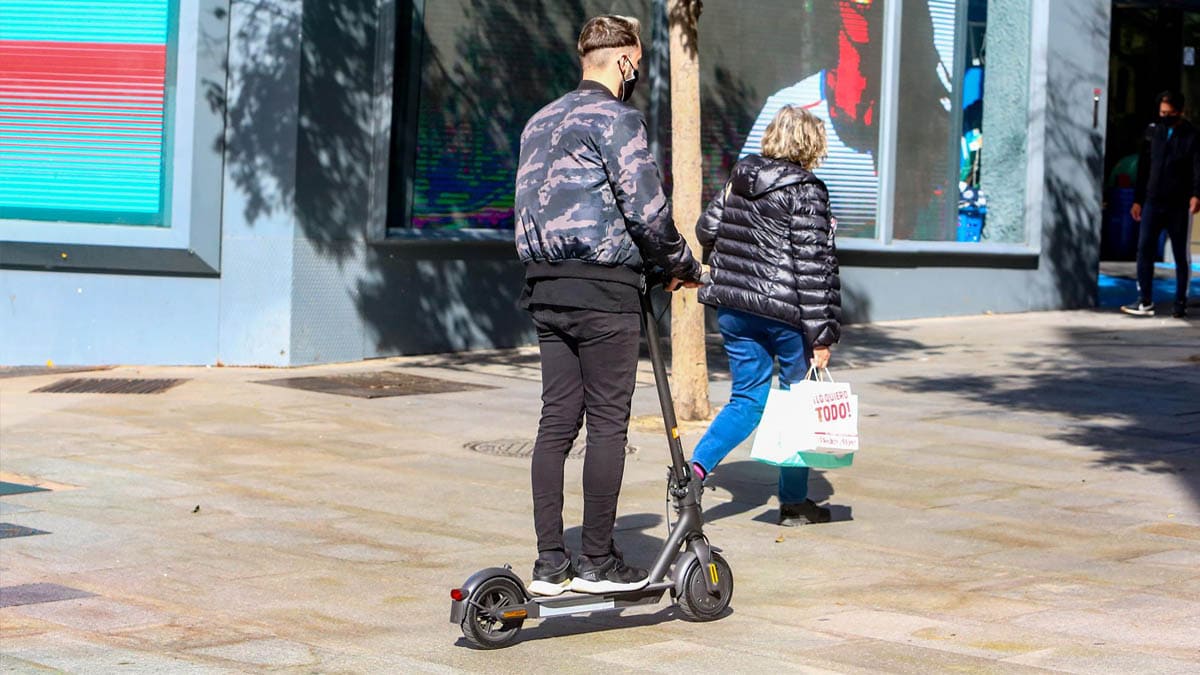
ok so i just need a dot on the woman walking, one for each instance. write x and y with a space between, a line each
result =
768 237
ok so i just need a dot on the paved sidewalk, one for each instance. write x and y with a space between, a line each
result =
1027 499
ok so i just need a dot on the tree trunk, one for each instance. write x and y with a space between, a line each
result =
689 365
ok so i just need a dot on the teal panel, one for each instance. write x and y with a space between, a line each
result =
118 21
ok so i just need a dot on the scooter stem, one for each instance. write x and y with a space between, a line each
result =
678 465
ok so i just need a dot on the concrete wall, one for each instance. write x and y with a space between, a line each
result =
79 319
355 296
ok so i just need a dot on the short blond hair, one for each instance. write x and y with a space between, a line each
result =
607 32
797 136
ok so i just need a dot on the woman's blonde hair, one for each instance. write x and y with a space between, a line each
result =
797 136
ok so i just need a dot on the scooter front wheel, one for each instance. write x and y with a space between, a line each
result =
696 603
482 625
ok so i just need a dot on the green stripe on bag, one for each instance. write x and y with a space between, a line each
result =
818 460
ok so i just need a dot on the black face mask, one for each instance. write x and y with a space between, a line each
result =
1168 120
628 82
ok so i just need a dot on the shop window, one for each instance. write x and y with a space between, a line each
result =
468 76
939 140
82 100
112 120
823 56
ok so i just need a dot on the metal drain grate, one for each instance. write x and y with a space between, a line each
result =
34 594
108 385
515 447
375 384
8 531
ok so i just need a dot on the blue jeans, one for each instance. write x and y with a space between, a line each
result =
752 344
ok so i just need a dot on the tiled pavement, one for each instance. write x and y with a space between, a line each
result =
1027 499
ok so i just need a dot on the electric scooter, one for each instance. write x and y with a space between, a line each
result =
493 604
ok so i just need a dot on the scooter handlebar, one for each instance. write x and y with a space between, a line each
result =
657 277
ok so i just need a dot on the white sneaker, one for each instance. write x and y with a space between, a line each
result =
1138 309
610 576
550 579
546 588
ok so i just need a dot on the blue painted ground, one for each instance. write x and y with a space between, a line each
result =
1117 291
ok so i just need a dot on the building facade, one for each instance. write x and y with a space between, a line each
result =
284 182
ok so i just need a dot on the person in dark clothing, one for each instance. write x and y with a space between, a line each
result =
591 217
768 238
1166 197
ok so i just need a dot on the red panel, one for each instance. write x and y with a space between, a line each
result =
74 58
108 78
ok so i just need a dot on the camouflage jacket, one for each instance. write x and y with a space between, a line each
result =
589 198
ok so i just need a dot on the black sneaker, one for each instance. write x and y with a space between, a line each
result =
1139 309
791 515
607 575
550 578
1180 310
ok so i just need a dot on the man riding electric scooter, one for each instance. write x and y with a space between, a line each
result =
590 214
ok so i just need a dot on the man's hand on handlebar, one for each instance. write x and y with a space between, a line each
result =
675 284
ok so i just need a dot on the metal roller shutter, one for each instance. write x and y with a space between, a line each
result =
82 88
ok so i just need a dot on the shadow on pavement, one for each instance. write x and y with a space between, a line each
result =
1132 396
872 344
594 623
753 484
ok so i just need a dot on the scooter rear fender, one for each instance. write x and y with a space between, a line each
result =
458 608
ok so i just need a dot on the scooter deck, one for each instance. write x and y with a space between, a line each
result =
578 603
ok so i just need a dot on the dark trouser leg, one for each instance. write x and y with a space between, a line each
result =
1177 232
608 352
562 415
1147 251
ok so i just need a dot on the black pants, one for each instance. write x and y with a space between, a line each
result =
1174 219
589 364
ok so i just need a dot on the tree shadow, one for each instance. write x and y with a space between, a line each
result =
435 298
310 158
1131 396
1074 160
259 142
865 345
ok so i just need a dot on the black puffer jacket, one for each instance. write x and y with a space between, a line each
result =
769 241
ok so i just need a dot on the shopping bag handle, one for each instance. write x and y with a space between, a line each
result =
814 373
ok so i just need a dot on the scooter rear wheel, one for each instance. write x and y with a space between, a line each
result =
480 625
696 603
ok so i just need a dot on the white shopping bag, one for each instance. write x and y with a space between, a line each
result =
815 423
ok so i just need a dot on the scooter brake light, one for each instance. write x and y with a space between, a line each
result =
457 595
